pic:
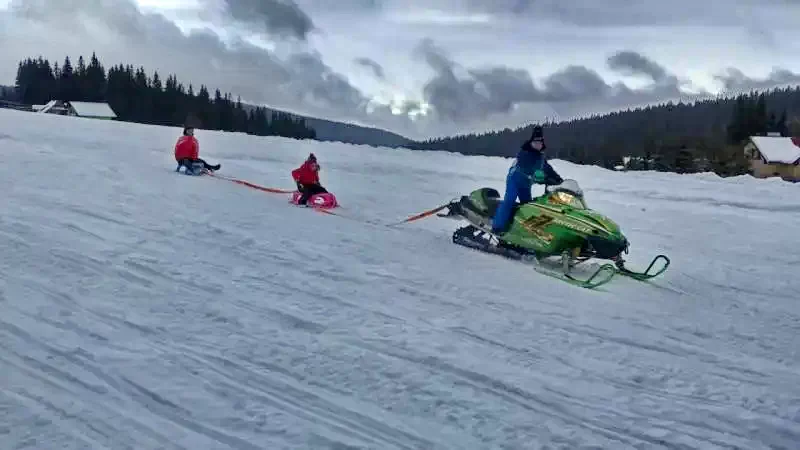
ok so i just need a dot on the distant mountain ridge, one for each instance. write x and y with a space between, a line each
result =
331 130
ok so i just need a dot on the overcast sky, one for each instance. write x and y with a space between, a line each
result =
426 67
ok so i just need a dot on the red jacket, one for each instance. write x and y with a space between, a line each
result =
308 173
187 147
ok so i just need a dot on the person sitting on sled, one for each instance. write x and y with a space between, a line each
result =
187 151
307 179
531 167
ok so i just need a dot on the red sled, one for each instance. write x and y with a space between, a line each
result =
325 200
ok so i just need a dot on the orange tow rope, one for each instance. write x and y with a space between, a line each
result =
422 215
251 185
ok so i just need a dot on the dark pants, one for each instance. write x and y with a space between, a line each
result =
517 185
308 190
188 163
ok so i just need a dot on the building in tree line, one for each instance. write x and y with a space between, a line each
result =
774 156
92 110
9 104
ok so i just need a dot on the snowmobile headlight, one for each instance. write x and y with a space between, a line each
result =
565 198
568 198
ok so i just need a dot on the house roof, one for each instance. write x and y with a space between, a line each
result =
47 107
89 109
782 150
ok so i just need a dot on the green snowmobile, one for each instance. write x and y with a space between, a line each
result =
558 223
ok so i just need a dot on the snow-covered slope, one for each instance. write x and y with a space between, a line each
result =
145 309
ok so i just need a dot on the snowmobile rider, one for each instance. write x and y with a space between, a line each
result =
530 168
307 179
187 151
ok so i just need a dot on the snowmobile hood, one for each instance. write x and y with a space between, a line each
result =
585 221
599 220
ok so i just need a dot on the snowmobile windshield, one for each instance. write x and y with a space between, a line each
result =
568 199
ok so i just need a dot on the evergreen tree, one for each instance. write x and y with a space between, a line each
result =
658 137
782 126
684 160
135 97
67 88
95 81
794 126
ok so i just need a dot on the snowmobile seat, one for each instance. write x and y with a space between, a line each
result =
492 200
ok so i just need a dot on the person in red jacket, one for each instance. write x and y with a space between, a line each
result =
307 179
187 152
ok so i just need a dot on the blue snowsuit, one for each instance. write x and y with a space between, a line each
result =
530 168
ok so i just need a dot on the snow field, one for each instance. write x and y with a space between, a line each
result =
146 309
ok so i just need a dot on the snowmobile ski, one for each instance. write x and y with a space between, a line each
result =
644 275
475 238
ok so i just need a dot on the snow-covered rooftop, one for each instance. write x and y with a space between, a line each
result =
90 109
47 107
781 150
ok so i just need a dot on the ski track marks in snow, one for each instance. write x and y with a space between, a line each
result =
145 309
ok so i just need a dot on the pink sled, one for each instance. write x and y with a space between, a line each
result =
326 200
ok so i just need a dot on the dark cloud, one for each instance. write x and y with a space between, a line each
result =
462 95
319 83
608 13
277 17
475 94
584 13
734 80
123 16
458 98
120 33
345 5
573 83
634 63
371 64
